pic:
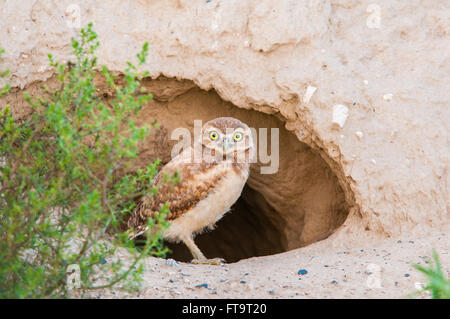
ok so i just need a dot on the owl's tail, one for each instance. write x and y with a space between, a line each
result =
136 226
135 232
137 223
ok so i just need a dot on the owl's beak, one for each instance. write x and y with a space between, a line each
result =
225 144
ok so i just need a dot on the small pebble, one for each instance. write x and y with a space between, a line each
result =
406 275
419 286
271 291
172 262
243 282
204 285
334 282
302 272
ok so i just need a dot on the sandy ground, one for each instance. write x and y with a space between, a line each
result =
380 270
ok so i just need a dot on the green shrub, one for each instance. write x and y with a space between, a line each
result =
438 284
63 193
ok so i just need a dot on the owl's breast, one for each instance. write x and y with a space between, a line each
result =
209 210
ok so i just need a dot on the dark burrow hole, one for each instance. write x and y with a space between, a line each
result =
300 204
244 232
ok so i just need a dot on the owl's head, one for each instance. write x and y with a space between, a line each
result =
225 135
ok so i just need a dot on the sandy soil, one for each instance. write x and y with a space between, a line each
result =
386 63
330 272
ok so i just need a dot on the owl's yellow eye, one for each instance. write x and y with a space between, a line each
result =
237 136
213 135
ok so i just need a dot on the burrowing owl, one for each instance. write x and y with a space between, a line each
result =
213 173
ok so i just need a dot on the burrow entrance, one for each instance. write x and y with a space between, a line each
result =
300 204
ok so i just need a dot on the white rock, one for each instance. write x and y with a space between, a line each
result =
359 134
340 114
419 286
309 93
366 82
388 96
172 262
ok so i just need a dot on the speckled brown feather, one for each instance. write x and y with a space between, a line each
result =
181 197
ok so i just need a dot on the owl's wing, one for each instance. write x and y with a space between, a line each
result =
197 181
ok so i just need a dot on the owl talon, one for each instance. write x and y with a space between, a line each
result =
214 261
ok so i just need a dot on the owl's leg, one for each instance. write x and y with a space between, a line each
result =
199 258
193 248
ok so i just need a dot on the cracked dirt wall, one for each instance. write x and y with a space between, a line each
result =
390 156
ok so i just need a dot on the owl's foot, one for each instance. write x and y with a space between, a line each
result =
214 261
